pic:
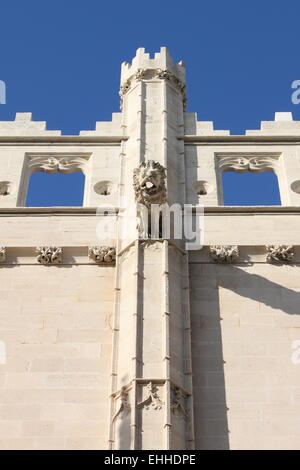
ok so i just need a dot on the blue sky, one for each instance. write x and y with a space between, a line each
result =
61 59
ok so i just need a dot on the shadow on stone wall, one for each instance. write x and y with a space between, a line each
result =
211 426
260 289
210 410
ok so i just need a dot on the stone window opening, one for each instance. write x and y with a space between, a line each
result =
54 190
54 180
249 180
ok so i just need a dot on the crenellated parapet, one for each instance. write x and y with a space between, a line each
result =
23 125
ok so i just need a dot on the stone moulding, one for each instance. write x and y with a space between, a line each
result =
2 254
49 255
103 254
280 253
150 74
57 164
224 253
152 400
252 163
149 183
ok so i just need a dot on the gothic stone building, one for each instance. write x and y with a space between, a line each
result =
113 341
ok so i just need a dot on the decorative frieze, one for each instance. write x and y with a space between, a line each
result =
224 253
149 183
103 254
152 400
2 254
49 255
280 253
57 164
243 163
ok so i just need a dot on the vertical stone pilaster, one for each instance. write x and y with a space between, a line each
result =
151 392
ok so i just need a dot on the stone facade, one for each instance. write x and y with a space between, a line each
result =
112 340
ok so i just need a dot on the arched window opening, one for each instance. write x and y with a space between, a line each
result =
250 189
58 189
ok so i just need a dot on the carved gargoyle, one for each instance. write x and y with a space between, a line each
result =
149 183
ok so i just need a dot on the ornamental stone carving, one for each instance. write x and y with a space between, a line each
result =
124 406
49 255
103 254
51 164
152 400
5 188
280 253
224 253
149 183
178 402
241 164
2 254
149 74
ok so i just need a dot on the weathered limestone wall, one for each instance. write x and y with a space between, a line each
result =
56 327
54 387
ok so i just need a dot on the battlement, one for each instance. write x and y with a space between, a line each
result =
24 126
283 124
162 60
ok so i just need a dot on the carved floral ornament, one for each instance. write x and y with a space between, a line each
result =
280 253
245 163
2 254
49 255
224 253
103 254
150 74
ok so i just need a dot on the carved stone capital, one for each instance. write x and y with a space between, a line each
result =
103 254
49 255
280 253
149 183
149 74
224 253
2 254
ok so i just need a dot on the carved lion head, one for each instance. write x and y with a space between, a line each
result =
149 183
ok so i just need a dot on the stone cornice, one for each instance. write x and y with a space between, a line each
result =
240 139
63 140
71 211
